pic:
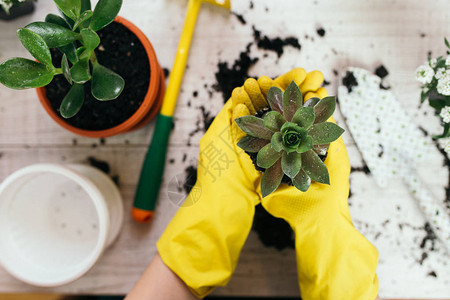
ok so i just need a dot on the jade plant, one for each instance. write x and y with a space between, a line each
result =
289 139
74 35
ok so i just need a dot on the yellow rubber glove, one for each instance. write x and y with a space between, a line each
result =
334 260
203 241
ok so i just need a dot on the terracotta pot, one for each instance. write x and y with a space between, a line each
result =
145 113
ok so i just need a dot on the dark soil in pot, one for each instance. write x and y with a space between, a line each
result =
121 51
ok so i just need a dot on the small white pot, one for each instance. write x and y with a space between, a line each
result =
56 221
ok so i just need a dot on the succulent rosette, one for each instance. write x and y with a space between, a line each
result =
289 139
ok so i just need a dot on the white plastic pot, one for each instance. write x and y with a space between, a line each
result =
56 221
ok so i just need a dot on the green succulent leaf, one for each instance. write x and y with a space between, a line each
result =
106 85
73 101
291 140
67 19
86 15
275 99
65 69
291 163
85 5
80 72
304 117
252 144
54 35
292 126
324 109
70 8
293 136
302 181
68 49
273 120
271 179
314 167
90 39
21 73
104 13
80 51
254 126
267 156
325 133
311 102
36 45
292 101
55 19
277 141
305 145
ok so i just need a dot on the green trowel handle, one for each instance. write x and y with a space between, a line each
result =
152 171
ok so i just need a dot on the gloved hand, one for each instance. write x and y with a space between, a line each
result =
334 260
203 241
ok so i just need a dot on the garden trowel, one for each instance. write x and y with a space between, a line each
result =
389 142
153 168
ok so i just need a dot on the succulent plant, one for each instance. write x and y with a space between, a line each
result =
290 137
75 36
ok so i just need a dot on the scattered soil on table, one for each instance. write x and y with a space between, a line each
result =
321 32
230 77
166 73
432 274
364 168
381 72
190 180
122 52
104 167
276 44
349 81
207 118
99 164
429 237
240 18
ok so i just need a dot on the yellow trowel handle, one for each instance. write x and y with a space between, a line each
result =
176 74
153 167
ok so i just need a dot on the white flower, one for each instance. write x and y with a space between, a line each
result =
6 5
445 144
432 62
445 114
424 74
440 73
447 61
443 86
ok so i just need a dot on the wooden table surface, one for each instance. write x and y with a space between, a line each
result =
363 33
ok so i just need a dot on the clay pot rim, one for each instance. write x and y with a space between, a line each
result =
153 94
